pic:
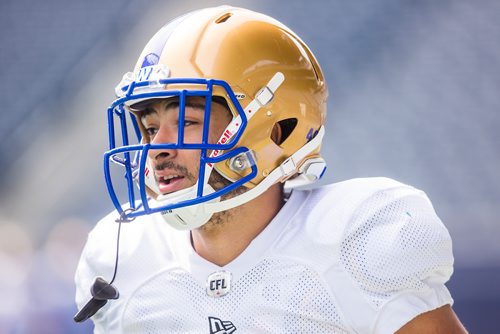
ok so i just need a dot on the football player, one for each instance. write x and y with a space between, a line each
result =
228 107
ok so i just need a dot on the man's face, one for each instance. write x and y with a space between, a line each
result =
178 169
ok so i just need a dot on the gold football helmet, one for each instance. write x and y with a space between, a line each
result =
266 76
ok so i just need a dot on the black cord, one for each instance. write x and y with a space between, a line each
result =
101 290
122 219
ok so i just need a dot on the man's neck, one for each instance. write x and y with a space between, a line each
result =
229 233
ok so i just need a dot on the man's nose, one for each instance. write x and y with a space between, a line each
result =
164 136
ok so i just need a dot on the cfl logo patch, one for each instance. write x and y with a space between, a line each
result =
218 284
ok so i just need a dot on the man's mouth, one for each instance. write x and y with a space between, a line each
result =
170 183
169 178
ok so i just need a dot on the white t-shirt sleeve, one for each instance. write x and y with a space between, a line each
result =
399 254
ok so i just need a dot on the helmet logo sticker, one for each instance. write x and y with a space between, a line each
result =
239 96
225 137
150 59
311 134
152 73
144 73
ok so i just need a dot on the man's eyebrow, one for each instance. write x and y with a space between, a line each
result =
195 105
191 104
147 111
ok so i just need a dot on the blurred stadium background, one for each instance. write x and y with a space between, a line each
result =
415 95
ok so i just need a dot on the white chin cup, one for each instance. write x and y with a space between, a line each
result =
187 217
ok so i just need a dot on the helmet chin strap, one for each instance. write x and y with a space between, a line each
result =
194 216
187 217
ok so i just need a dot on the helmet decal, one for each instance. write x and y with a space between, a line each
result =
150 59
154 48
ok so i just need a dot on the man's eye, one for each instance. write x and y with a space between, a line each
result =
151 131
188 123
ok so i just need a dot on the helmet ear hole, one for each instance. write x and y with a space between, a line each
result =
282 130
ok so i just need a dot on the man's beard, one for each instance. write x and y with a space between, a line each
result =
217 181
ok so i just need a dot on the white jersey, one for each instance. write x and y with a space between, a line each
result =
360 256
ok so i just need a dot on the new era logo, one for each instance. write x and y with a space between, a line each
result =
218 326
